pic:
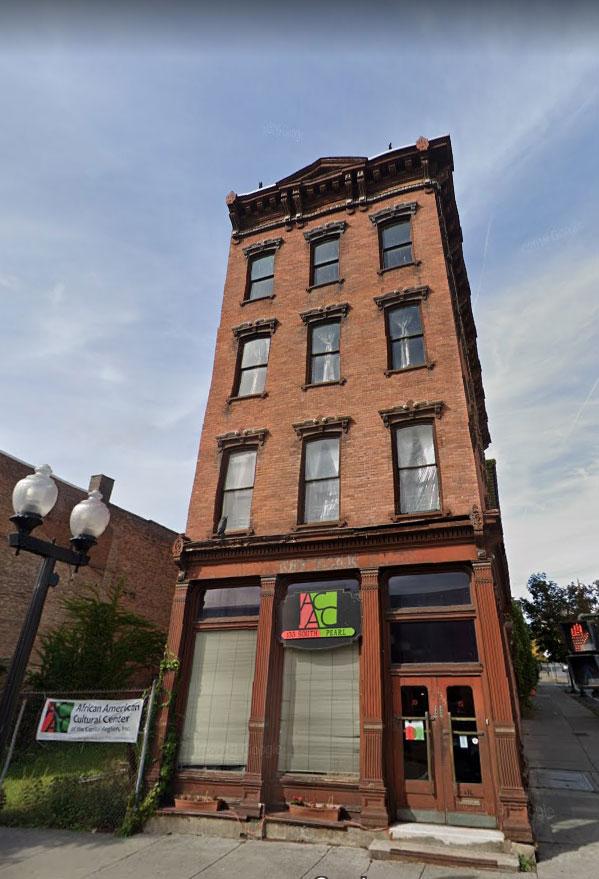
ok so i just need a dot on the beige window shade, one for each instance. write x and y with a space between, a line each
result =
215 732
320 713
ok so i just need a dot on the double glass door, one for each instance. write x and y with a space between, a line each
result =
440 748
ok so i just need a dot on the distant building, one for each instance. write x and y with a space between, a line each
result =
135 549
342 611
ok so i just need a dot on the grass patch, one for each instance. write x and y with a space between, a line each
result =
71 785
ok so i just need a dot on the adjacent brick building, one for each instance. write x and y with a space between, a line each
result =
134 549
342 608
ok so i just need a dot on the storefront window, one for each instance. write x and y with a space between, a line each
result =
320 712
236 601
215 732
438 589
433 641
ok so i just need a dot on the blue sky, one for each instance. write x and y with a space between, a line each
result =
121 135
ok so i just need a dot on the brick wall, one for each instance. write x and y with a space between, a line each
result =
134 548
367 488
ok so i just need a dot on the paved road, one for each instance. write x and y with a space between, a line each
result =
562 745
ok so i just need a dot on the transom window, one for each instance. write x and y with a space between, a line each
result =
238 488
324 352
396 243
252 366
406 340
262 271
321 480
434 589
325 261
418 481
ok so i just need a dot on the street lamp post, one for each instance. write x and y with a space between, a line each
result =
33 498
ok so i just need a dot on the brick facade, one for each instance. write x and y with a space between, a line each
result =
132 548
370 541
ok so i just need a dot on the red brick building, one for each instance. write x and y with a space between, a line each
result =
134 549
343 601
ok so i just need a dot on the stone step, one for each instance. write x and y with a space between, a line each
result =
428 852
447 834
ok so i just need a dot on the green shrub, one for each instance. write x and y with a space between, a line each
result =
525 665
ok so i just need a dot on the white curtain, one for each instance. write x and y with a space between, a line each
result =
215 731
320 712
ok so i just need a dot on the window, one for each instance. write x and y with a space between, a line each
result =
321 480
443 589
396 243
433 641
262 270
406 340
417 469
324 352
215 732
238 488
320 712
232 601
325 261
252 366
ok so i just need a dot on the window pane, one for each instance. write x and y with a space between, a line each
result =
322 501
414 707
407 352
241 467
404 321
418 490
399 256
262 266
429 590
433 641
324 274
325 368
320 712
260 289
252 381
215 731
326 251
325 337
322 458
236 507
323 586
466 746
255 352
396 233
234 601
415 446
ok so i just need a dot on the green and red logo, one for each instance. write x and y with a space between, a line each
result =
307 616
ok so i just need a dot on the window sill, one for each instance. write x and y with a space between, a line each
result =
428 364
404 265
415 517
340 381
320 526
339 282
247 397
241 532
259 299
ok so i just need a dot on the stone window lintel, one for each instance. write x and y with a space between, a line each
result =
322 426
404 295
394 213
329 229
266 246
239 438
326 312
251 328
412 411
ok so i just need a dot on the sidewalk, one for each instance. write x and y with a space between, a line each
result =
562 745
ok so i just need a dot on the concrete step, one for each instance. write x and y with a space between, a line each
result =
429 852
447 834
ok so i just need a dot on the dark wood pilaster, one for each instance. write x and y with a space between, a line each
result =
373 791
512 798
260 746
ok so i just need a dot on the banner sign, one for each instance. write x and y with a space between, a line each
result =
320 620
89 720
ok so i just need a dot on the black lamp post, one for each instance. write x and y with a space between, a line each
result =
33 498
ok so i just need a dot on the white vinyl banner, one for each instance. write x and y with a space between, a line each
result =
90 720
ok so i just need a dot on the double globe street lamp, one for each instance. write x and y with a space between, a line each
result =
33 498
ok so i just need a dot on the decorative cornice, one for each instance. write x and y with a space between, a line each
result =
337 228
400 297
325 312
408 208
250 328
411 411
239 438
320 426
261 246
